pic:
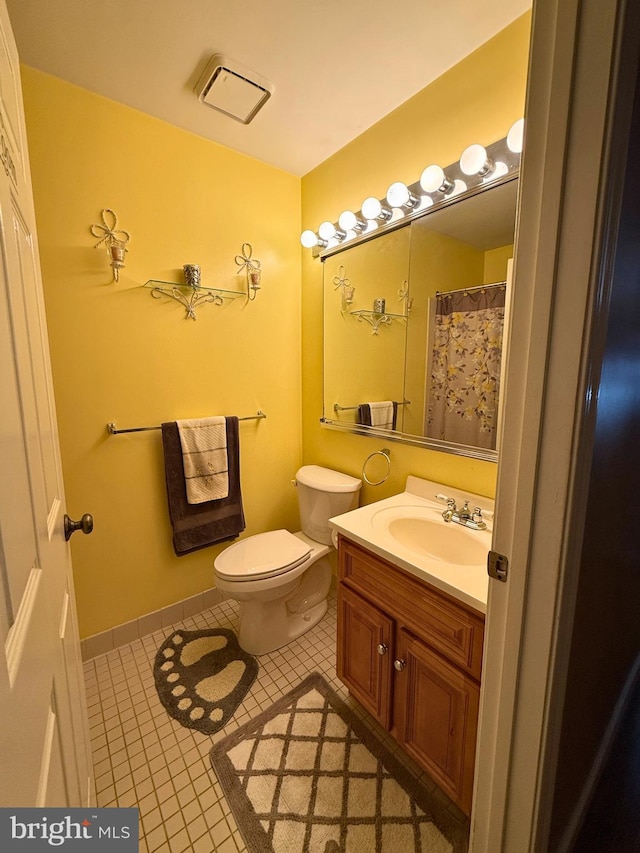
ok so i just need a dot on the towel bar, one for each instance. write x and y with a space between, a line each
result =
111 427
338 408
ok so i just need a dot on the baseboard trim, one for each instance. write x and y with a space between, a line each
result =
120 635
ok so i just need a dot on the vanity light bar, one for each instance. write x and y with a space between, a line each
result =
477 166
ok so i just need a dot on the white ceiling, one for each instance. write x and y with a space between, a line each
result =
337 66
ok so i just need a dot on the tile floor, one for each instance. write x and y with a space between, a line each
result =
144 758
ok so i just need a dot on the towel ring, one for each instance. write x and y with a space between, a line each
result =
387 455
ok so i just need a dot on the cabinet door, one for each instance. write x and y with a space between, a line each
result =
436 716
365 653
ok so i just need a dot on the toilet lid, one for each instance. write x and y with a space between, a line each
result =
261 556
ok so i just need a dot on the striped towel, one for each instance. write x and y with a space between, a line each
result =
204 456
382 414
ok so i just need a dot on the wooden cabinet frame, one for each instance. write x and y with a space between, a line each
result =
387 617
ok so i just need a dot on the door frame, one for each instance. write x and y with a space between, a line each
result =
569 200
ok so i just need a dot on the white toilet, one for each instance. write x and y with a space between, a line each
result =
282 579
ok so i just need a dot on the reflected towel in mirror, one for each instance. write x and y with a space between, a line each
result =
382 414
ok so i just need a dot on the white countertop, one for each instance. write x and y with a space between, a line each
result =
467 583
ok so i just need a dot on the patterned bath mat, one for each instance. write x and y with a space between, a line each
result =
306 776
202 677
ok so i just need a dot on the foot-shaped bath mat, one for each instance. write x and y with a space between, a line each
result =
202 677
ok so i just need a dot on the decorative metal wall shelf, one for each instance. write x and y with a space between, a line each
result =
191 296
190 292
376 319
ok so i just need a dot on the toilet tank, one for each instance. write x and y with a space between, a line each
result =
323 493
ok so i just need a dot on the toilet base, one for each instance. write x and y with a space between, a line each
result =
275 611
265 629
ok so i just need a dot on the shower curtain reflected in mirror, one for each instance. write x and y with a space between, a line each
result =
465 366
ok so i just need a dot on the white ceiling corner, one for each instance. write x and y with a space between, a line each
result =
337 66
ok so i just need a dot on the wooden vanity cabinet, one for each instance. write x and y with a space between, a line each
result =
366 636
412 656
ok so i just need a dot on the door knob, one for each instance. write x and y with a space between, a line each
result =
85 524
382 648
399 664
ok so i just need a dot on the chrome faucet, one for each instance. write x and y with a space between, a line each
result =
464 516
450 511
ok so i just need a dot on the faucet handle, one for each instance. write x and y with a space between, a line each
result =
477 514
450 510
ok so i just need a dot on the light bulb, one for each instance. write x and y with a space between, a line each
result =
425 202
500 169
372 209
474 161
309 239
398 195
433 179
348 221
515 136
459 187
327 230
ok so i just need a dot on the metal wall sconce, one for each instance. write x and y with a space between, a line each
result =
403 296
342 283
253 270
113 239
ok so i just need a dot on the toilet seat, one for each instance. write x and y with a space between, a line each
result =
263 555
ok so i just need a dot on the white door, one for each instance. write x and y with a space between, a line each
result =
44 751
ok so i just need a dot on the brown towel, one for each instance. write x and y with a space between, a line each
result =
200 525
365 418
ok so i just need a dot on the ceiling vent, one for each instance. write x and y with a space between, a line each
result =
232 89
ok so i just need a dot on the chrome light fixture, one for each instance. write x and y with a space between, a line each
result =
434 180
328 231
348 221
477 165
310 240
515 137
399 195
373 209
474 160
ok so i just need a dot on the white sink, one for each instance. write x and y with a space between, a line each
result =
408 530
423 530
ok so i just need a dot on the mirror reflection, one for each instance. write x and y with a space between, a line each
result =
413 323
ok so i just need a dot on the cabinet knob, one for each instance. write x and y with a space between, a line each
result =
399 664
382 648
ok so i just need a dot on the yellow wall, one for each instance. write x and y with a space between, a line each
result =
117 354
495 264
120 355
475 101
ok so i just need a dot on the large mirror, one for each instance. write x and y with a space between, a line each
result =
413 326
